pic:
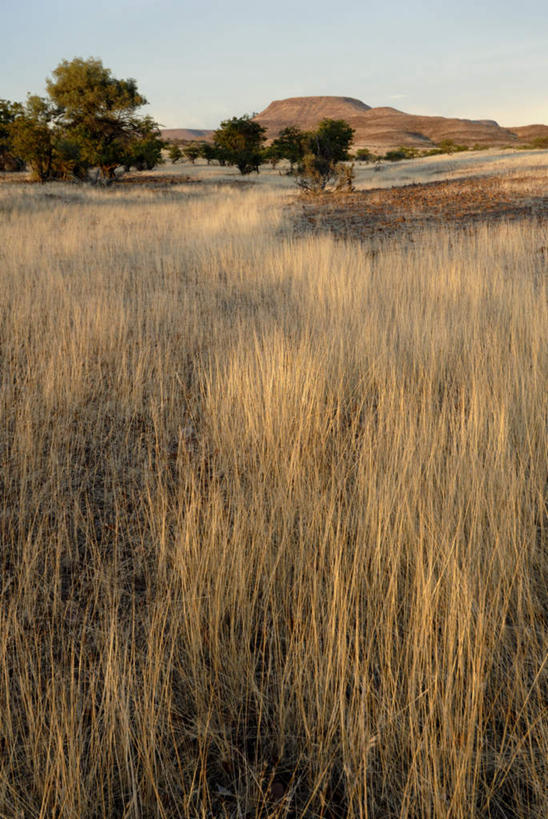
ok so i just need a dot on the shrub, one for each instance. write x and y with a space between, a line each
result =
448 146
322 167
365 155
174 153
239 142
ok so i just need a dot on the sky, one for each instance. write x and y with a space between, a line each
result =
198 63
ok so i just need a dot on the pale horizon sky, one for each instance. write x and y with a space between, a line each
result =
200 62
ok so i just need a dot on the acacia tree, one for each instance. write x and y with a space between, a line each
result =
322 166
208 152
290 144
192 151
239 141
144 151
174 153
98 112
32 136
8 113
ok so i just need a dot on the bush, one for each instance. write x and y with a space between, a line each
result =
192 151
365 155
447 146
322 167
174 153
403 152
318 175
239 142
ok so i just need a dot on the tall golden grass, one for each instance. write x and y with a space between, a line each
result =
272 517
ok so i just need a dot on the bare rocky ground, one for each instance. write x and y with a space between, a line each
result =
404 210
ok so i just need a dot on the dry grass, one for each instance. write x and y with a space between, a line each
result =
272 513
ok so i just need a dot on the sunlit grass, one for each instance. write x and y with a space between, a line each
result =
272 513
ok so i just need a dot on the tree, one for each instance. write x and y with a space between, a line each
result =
239 141
32 136
290 144
8 112
192 151
365 155
174 153
322 166
37 138
208 152
271 155
144 151
97 111
331 140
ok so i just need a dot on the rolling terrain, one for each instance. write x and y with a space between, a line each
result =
378 128
273 494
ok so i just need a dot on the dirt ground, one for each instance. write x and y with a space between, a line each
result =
405 209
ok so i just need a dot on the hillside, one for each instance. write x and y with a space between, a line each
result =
382 127
186 134
529 132
379 128
306 112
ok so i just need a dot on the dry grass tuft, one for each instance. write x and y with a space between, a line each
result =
272 513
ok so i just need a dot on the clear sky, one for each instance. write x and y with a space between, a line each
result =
199 62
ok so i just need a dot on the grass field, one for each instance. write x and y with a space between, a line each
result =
272 512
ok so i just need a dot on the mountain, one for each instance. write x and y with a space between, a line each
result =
377 128
530 132
186 134
306 112
382 127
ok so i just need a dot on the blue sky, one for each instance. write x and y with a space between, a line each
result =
199 62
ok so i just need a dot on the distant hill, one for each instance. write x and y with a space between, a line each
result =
382 127
529 132
187 134
377 128
306 112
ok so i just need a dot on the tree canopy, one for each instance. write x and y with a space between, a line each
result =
239 141
8 112
326 150
99 112
89 119
290 144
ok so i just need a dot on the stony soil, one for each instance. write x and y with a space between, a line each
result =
405 210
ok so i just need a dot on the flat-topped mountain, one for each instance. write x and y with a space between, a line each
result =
382 127
306 112
186 134
378 128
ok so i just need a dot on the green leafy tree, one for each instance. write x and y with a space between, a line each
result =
322 167
32 136
271 155
290 144
192 151
8 112
174 153
331 140
144 151
208 152
97 111
239 141
365 155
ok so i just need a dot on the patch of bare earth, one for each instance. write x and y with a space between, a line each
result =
404 210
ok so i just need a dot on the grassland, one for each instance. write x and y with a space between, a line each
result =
272 511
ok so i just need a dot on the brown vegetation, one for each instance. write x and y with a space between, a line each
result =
272 512
405 210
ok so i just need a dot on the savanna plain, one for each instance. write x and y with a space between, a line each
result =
273 505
